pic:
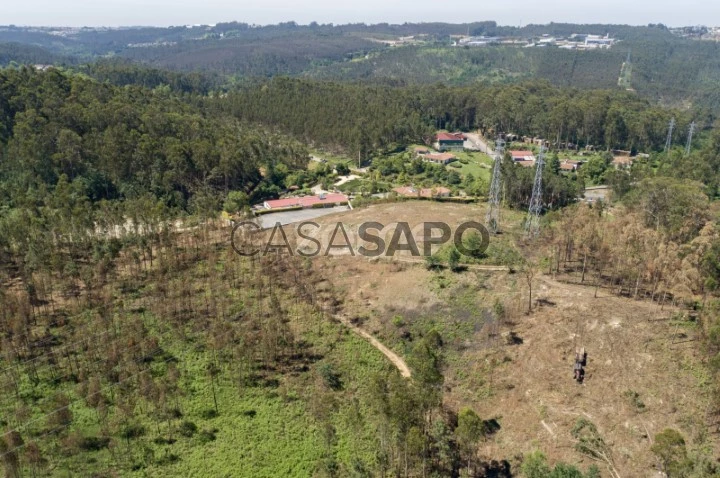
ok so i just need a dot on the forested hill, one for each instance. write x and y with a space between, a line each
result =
18 53
110 142
665 67
360 118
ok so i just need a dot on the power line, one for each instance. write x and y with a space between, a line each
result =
668 141
492 219
688 145
532 223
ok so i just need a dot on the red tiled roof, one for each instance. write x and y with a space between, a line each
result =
307 201
517 154
440 156
450 137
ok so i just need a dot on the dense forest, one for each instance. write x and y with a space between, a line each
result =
111 142
360 117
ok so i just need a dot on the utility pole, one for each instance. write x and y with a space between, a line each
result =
532 223
668 141
688 145
492 219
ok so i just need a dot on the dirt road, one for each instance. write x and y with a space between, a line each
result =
478 142
396 360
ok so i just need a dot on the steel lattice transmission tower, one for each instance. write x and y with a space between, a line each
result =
688 146
492 219
532 224
668 141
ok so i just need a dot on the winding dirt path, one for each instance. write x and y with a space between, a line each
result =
396 360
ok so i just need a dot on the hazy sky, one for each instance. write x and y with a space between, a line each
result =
181 12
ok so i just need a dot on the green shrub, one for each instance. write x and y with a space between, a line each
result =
94 443
433 262
330 376
206 436
132 431
168 459
208 414
188 429
634 399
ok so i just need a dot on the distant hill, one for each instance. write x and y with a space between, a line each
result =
29 54
666 68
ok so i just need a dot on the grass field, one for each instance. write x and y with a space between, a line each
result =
478 164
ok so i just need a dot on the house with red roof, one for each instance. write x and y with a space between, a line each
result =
523 155
306 202
449 141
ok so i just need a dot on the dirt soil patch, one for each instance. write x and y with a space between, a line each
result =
644 371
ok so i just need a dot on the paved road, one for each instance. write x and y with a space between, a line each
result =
479 143
289 217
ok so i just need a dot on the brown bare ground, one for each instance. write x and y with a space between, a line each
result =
528 387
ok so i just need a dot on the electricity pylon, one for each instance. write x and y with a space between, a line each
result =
532 223
668 141
688 145
492 219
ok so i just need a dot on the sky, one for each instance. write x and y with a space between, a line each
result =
505 12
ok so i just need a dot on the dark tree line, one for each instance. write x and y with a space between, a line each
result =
112 142
359 118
